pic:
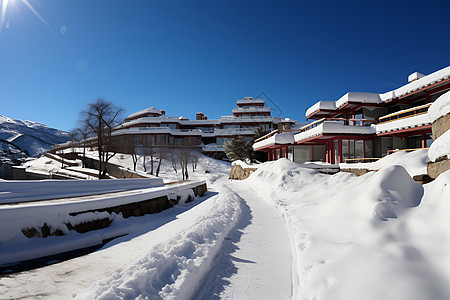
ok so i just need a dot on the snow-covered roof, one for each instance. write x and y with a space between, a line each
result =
415 76
251 109
250 101
420 83
283 138
440 107
150 110
358 98
330 105
333 127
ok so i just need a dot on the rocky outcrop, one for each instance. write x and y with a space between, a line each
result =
240 173
440 126
439 153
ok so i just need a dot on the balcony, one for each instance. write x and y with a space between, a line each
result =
404 119
245 110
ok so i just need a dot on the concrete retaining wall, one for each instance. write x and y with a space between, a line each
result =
25 191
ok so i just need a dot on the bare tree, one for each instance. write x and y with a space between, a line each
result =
162 154
173 154
149 151
81 135
100 117
194 159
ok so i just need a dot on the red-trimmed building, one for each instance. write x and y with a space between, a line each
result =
152 127
363 125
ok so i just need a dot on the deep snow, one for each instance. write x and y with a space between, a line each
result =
377 236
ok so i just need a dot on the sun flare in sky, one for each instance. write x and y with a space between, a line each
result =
4 7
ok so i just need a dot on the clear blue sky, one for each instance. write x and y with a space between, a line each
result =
191 56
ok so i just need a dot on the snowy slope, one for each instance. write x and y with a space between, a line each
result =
28 137
377 236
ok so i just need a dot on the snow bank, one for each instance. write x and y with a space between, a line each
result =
440 107
348 233
173 268
440 147
32 190
415 162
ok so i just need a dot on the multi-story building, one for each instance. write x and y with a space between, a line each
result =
362 126
152 127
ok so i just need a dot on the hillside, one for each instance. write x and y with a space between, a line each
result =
21 139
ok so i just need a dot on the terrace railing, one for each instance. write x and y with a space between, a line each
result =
407 113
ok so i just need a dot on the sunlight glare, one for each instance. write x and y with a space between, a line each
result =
4 7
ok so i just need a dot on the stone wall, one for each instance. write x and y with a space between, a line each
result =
440 126
240 173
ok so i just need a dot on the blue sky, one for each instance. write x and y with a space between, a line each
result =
191 56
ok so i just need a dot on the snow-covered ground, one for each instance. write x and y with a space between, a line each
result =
415 162
286 232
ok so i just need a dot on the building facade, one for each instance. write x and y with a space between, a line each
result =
151 127
362 126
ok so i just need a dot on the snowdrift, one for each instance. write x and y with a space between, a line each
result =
173 268
360 237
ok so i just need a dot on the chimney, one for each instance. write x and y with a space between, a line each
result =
200 116
414 76
163 112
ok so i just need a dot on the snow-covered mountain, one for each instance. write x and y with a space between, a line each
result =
21 139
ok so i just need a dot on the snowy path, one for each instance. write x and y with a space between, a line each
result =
255 261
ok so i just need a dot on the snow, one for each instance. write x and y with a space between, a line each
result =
55 213
440 107
415 76
422 82
414 162
333 127
405 123
330 105
283 138
33 137
359 98
285 232
32 190
440 147
367 246
255 261
173 268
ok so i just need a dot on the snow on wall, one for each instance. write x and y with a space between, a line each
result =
405 123
32 190
14 218
440 147
174 268
440 107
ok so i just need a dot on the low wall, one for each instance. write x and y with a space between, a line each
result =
33 190
112 169
57 218
357 172
239 173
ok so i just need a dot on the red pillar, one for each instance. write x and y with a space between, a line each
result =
286 152
339 151
424 140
